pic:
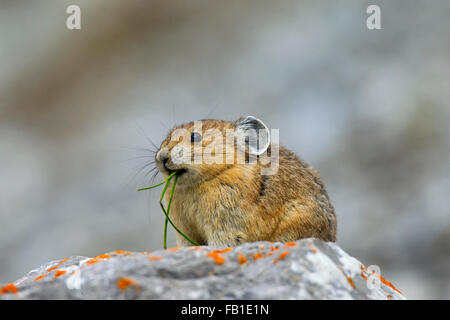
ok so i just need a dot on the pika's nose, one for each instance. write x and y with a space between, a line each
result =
162 156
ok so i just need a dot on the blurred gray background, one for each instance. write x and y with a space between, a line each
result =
369 109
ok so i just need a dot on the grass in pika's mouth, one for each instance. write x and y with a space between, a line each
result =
179 172
174 175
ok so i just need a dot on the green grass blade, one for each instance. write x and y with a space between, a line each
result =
159 184
168 208
166 213
160 202
178 230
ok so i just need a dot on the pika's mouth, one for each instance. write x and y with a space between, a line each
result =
170 171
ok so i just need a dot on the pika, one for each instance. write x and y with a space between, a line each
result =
225 203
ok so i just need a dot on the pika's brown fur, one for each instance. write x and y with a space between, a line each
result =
228 204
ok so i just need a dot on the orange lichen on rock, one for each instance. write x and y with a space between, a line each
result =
290 244
257 256
269 253
195 248
122 252
125 283
52 268
274 248
155 258
92 261
98 258
174 249
59 273
222 250
146 252
350 280
388 284
218 259
282 255
364 276
62 261
241 258
383 280
40 277
313 250
9 288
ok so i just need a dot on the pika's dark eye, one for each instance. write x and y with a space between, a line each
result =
196 137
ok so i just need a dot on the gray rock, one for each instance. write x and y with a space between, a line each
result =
306 269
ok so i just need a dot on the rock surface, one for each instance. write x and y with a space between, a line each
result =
305 269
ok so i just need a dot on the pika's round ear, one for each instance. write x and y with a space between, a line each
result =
255 134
